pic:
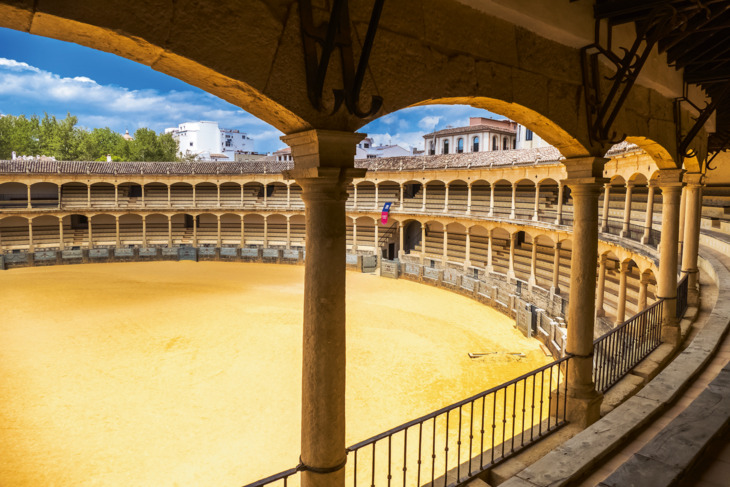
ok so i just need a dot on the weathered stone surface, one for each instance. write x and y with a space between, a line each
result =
641 471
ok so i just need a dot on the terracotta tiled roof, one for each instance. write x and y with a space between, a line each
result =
484 127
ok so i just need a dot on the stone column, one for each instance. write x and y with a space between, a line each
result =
220 236
511 268
670 182
218 195
60 196
195 200
400 207
354 199
169 231
491 199
600 292
354 235
606 205
682 215
118 234
643 285
60 233
376 244
266 202
536 211
116 196
376 197
91 233
445 257
288 232
555 289
490 267
468 199
693 213
423 243
88 196
446 199
467 256
323 167
625 231
584 177
195 230
288 196
243 235
559 218
31 247
649 220
169 196
144 231
514 201
423 207
144 204
401 250
621 304
266 231
243 193
533 264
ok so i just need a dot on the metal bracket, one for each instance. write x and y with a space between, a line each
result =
603 110
684 141
331 35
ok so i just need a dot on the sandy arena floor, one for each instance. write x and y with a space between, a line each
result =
188 374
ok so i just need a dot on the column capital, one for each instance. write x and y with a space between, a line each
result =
323 154
693 179
580 168
623 266
669 178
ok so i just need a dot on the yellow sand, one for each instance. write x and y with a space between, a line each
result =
162 374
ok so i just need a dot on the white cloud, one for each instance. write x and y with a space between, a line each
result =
404 139
429 122
120 108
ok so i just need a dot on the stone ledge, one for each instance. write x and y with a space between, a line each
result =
582 453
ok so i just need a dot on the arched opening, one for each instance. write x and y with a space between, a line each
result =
435 196
388 192
412 195
480 197
74 195
548 200
458 196
276 195
456 243
181 195
460 145
130 230
365 195
129 195
157 229
296 196
231 195
43 195
500 250
155 195
231 228
104 231
433 247
206 195
253 230
13 195
181 226
411 236
207 230
479 246
276 231
613 215
365 231
445 146
524 199
298 231
14 233
502 199
102 195
46 234
545 261
505 143
475 144
253 194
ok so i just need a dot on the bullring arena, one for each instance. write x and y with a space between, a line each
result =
495 229
609 250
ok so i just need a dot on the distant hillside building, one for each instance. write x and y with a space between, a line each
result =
209 142
482 134
366 150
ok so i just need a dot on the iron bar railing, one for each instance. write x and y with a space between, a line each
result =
452 445
619 350
682 291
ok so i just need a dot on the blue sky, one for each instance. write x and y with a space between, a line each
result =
40 75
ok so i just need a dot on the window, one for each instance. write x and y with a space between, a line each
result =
367 146
495 143
505 143
229 142
191 144
431 150
528 134
446 146
372 156
475 144
460 146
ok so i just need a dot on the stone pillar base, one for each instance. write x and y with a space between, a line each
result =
645 240
693 297
583 411
671 334
554 290
558 221
600 312
624 233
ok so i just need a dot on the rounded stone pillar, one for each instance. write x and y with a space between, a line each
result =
323 167
693 213
600 292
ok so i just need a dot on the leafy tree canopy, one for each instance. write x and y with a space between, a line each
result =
65 141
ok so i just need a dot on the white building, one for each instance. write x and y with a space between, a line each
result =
209 142
366 150
527 139
482 134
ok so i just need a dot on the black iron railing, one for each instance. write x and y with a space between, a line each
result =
619 350
682 290
454 444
